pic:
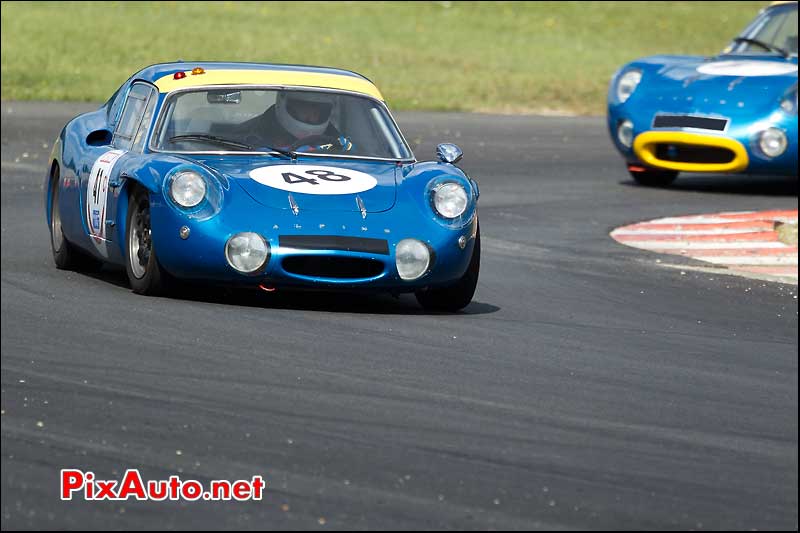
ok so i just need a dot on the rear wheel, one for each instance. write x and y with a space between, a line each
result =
141 264
66 255
458 295
654 178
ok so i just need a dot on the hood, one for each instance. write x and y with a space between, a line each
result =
315 184
726 84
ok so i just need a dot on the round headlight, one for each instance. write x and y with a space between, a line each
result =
627 84
412 258
450 200
246 252
188 188
772 142
625 133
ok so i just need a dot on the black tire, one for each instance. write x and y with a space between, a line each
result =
457 296
66 255
141 264
654 178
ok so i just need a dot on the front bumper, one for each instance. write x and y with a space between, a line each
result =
734 150
201 256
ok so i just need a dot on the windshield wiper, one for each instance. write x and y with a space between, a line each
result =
228 142
211 138
770 47
287 153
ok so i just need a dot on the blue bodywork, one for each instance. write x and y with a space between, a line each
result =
673 86
397 208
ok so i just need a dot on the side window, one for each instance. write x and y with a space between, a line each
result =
115 103
147 118
132 114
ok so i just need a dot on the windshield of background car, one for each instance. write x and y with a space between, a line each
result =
240 120
776 27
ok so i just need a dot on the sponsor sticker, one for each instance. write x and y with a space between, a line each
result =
314 179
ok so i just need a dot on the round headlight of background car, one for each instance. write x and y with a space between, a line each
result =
627 83
188 188
625 133
772 142
246 252
412 258
450 200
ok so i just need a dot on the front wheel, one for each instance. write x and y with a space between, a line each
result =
654 178
459 295
141 264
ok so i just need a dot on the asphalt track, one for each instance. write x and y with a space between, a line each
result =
586 386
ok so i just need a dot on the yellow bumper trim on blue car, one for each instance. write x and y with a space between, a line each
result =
168 83
644 146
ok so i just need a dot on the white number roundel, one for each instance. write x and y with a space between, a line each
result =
314 179
747 68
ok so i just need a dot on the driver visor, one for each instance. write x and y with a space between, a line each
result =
307 111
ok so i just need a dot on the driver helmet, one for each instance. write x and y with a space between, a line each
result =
304 113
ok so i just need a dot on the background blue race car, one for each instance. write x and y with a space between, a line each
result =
733 113
262 176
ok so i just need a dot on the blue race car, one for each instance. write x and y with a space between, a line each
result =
264 176
733 113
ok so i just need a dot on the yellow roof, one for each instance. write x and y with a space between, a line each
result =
289 78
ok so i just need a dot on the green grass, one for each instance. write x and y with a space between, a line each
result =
501 57
787 233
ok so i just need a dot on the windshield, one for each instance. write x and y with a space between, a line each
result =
314 122
776 28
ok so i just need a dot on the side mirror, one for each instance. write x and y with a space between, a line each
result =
449 153
99 138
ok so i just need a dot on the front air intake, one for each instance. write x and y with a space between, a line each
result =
690 152
687 153
332 267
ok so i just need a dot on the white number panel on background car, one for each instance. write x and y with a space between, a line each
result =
747 68
314 179
97 197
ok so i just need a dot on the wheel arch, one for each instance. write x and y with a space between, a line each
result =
52 175
130 185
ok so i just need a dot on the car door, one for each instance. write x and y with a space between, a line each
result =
100 190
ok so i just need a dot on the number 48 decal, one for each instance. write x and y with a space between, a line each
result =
315 179
327 175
